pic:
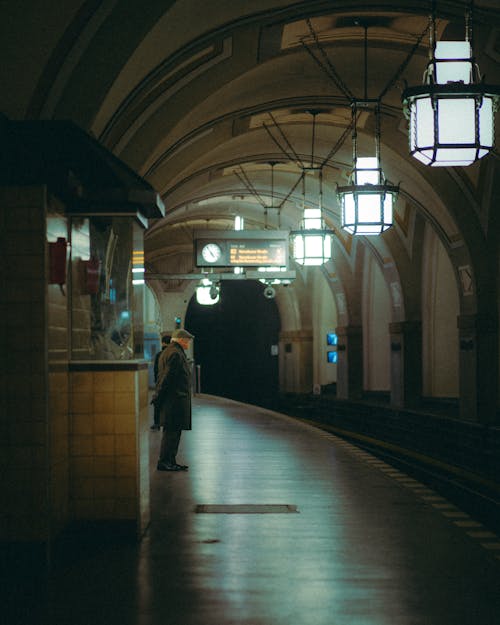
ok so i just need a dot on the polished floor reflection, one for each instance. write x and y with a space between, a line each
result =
277 523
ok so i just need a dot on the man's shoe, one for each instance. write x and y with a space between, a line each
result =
164 466
182 467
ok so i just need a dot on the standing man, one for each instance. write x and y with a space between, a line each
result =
165 340
173 397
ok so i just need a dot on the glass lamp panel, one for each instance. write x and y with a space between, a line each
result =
367 170
425 156
312 224
369 207
367 176
312 213
457 120
327 247
453 71
298 248
369 229
486 126
313 246
312 219
349 208
454 157
424 119
366 162
387 208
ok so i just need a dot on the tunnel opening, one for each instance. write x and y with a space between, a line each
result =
236 344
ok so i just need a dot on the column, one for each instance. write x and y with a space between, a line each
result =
478 363
406 363
295 358
350 362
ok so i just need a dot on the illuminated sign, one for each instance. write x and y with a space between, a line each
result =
241 248
257 253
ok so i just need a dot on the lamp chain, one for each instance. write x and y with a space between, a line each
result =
313 137
272 194
303 190
354 134
469 20
377 133
432 29
366 61
320 201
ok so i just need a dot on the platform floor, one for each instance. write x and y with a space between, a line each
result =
327 535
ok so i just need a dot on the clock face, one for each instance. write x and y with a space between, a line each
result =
211 252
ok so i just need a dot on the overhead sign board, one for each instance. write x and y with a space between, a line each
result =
241 248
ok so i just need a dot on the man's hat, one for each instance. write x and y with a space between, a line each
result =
182 334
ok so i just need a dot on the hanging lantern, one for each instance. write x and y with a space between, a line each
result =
451 116
312 244
367 201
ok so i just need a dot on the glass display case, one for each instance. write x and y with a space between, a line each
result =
107 288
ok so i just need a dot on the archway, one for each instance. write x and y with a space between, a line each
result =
234 343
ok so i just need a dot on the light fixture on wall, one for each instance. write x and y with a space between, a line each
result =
451 116
312 243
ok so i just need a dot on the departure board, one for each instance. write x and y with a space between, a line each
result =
253 248
257 253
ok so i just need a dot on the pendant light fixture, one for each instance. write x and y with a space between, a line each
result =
312 244
367 201
451 116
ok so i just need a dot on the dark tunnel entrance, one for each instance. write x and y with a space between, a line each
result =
236 343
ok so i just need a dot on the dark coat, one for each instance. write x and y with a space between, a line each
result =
155 366
173 389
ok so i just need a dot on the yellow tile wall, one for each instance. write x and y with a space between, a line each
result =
109 451
58 466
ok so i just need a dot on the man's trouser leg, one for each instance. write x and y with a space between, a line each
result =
169 445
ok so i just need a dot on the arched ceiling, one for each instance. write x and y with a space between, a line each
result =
199 97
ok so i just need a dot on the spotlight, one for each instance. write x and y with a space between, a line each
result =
207 293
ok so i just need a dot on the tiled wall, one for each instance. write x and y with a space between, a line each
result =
73 444
57 354
109 453
24 513
58 437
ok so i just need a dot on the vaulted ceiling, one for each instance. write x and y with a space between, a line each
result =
213 101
